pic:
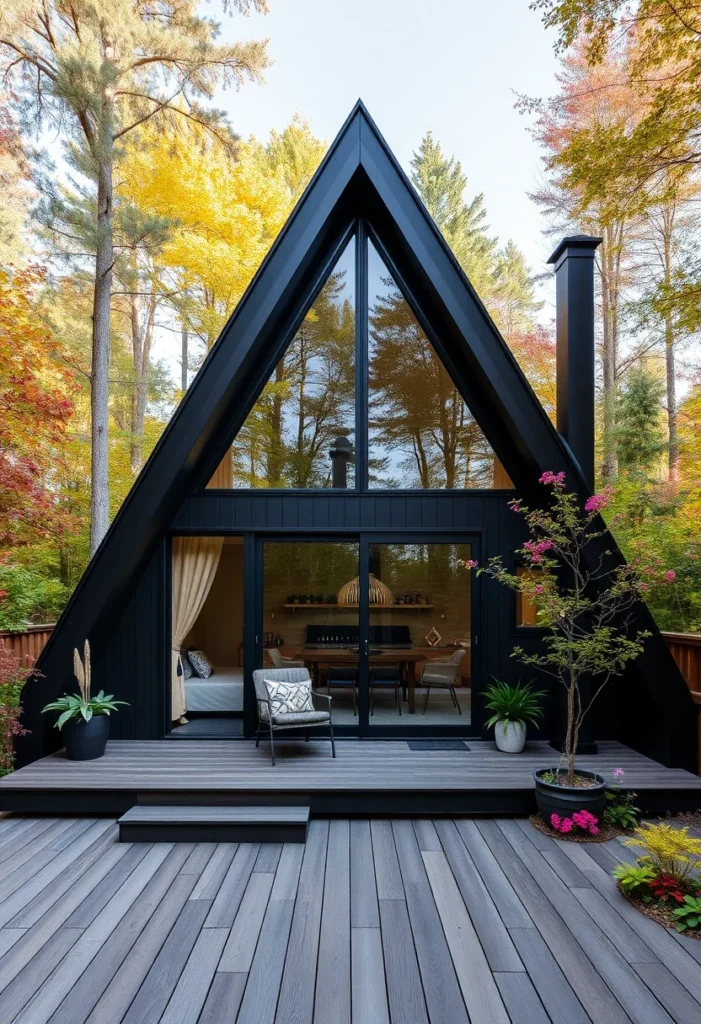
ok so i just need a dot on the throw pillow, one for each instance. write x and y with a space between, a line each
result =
201 663
186 665
288 697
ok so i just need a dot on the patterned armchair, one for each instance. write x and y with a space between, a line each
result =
443 675
288 719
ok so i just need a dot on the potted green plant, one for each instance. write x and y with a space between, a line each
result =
583 602
513 707
84 719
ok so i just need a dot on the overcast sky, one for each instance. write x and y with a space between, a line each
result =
449 65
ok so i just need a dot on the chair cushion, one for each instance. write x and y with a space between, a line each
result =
302 718
288 698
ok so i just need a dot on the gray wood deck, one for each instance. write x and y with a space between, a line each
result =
369 764
371 922
368 777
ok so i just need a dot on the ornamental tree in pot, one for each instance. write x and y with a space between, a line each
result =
84 719
584 600
513 707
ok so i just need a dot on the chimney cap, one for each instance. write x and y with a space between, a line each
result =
582 242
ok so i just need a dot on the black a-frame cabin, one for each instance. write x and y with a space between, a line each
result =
376 485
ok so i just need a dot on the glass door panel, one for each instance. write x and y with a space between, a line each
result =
311 617
419 635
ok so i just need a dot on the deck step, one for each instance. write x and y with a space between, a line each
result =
225 824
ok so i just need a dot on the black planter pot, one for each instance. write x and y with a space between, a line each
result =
565 800
86 741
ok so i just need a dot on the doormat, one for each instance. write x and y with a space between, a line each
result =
437 745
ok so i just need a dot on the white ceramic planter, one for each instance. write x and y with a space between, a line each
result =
510 736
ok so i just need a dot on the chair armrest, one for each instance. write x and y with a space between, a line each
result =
264 700
315 693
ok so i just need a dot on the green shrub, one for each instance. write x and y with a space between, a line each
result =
519 703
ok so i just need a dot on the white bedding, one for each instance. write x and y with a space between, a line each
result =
223 691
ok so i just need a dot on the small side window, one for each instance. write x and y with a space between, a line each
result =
526 608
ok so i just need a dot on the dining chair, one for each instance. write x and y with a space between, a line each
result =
443 675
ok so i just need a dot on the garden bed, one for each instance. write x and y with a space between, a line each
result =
662 913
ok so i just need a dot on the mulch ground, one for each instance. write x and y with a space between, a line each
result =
659 912
605 832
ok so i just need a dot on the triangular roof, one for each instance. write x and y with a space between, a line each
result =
358 178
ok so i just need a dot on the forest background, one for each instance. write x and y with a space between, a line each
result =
125 246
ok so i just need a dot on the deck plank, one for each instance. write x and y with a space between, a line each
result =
119 994
333 983
479 990
296 1001
440 984
405 921
404 989
368 988
494 937
601 951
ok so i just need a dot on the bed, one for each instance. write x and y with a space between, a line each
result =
223 691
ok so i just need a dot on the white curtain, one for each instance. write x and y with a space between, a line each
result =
195 561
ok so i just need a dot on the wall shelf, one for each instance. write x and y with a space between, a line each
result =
373 607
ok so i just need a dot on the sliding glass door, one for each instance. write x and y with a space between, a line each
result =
386 626
311 616
420 613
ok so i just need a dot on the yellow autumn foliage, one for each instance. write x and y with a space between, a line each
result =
226 209
666 849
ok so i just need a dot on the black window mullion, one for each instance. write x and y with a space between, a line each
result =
361 359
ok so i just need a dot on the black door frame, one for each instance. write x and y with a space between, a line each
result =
253 627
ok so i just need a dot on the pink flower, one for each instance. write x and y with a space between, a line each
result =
515 505
471 563
540 589
618 773
566 825
536 549
643 586
555 820
554 479
594 830
598 501
670 575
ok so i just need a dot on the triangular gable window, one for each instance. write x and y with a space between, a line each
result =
308 405
301 432
421 433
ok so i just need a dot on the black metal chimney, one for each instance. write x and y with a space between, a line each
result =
574 274
342 455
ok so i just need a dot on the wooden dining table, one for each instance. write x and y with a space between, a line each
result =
407 659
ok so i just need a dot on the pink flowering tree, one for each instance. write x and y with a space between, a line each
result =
583 596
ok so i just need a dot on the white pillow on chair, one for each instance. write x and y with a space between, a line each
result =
287 698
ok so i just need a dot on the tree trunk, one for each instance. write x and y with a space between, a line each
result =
99 376
142 337
609 301
184 359
673 442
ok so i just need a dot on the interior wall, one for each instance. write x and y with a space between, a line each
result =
218 630
449 594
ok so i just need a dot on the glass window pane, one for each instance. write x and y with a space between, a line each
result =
527 611
300 431
421 432
420 634
306 619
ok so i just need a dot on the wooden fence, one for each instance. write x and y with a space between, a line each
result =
29 643
686 651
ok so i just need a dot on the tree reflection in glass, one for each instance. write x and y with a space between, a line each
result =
421 432
287 437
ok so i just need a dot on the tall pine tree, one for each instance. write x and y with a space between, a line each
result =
440 182
97 70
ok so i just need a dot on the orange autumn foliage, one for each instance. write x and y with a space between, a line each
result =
35 407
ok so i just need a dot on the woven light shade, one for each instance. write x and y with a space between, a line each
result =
379 593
